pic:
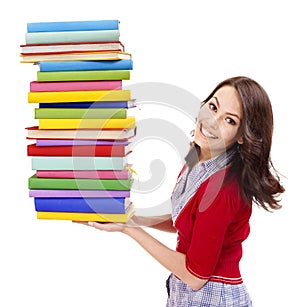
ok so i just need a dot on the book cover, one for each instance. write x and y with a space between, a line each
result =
87 123
88 205
71 47
88 217
60 86
78 183
77 163
95 174
86 65
80 113
72 36
79 96
83 75
80 25
75 56
103 104
75 134
83 151
79 193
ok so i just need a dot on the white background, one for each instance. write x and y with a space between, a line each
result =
190 44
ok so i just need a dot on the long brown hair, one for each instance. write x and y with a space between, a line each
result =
251 164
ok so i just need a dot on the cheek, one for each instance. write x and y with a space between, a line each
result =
229 135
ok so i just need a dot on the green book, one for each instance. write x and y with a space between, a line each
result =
79 113
82 75
78 163
37 183
72 36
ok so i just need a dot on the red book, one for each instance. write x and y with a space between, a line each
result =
88 151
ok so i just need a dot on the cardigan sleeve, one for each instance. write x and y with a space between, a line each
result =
210 225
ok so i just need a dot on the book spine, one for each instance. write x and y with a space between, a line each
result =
79 113
79 96
80 142
89 123
87 25
97 205
76 151
87 65
78 184
77 163
84 217
83 75
102 104
74 86
72 36
79 193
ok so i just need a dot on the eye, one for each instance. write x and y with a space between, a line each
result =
212 106
230 121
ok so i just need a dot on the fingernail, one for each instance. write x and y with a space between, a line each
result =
91 224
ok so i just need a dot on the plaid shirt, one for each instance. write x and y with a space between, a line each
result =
190 180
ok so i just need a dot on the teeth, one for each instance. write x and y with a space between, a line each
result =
207 133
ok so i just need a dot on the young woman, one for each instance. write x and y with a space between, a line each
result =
227 170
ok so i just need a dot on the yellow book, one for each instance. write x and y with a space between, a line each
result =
79 96
87 123
87 217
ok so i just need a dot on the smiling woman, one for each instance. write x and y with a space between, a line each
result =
227 169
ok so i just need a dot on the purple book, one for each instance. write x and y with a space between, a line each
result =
79 142
79 193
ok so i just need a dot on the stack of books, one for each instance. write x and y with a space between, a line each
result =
84 133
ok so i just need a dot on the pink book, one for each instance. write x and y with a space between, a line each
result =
94 174
79 193
64 86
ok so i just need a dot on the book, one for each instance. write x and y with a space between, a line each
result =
78 183
80 25
87 123
88 217
80 142
83 75
71 47
79 193
88 151
86 65
96 174
77 163
75 56
84 134
60 86
71 36
79 96
80 113
88 205
103 104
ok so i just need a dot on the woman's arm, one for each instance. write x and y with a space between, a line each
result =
170 259
163 222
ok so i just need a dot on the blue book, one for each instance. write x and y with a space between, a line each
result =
86 25
88 205
87 65
104 104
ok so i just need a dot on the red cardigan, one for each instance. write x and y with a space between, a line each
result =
211 228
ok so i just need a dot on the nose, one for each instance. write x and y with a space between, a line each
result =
213 121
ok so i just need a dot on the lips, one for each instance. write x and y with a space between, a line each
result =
207 134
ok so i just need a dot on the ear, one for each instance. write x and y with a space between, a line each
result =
240 140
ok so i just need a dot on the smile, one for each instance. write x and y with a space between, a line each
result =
207 134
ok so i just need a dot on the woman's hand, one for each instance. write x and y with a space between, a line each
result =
109 227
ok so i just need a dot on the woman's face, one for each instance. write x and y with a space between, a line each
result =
219 122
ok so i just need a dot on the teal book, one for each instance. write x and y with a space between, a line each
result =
80 25
82 75
72 36
78 163
36 183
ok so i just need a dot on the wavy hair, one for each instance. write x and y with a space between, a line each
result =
251 164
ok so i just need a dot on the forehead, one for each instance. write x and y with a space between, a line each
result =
229 99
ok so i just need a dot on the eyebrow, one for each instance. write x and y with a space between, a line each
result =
232 114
